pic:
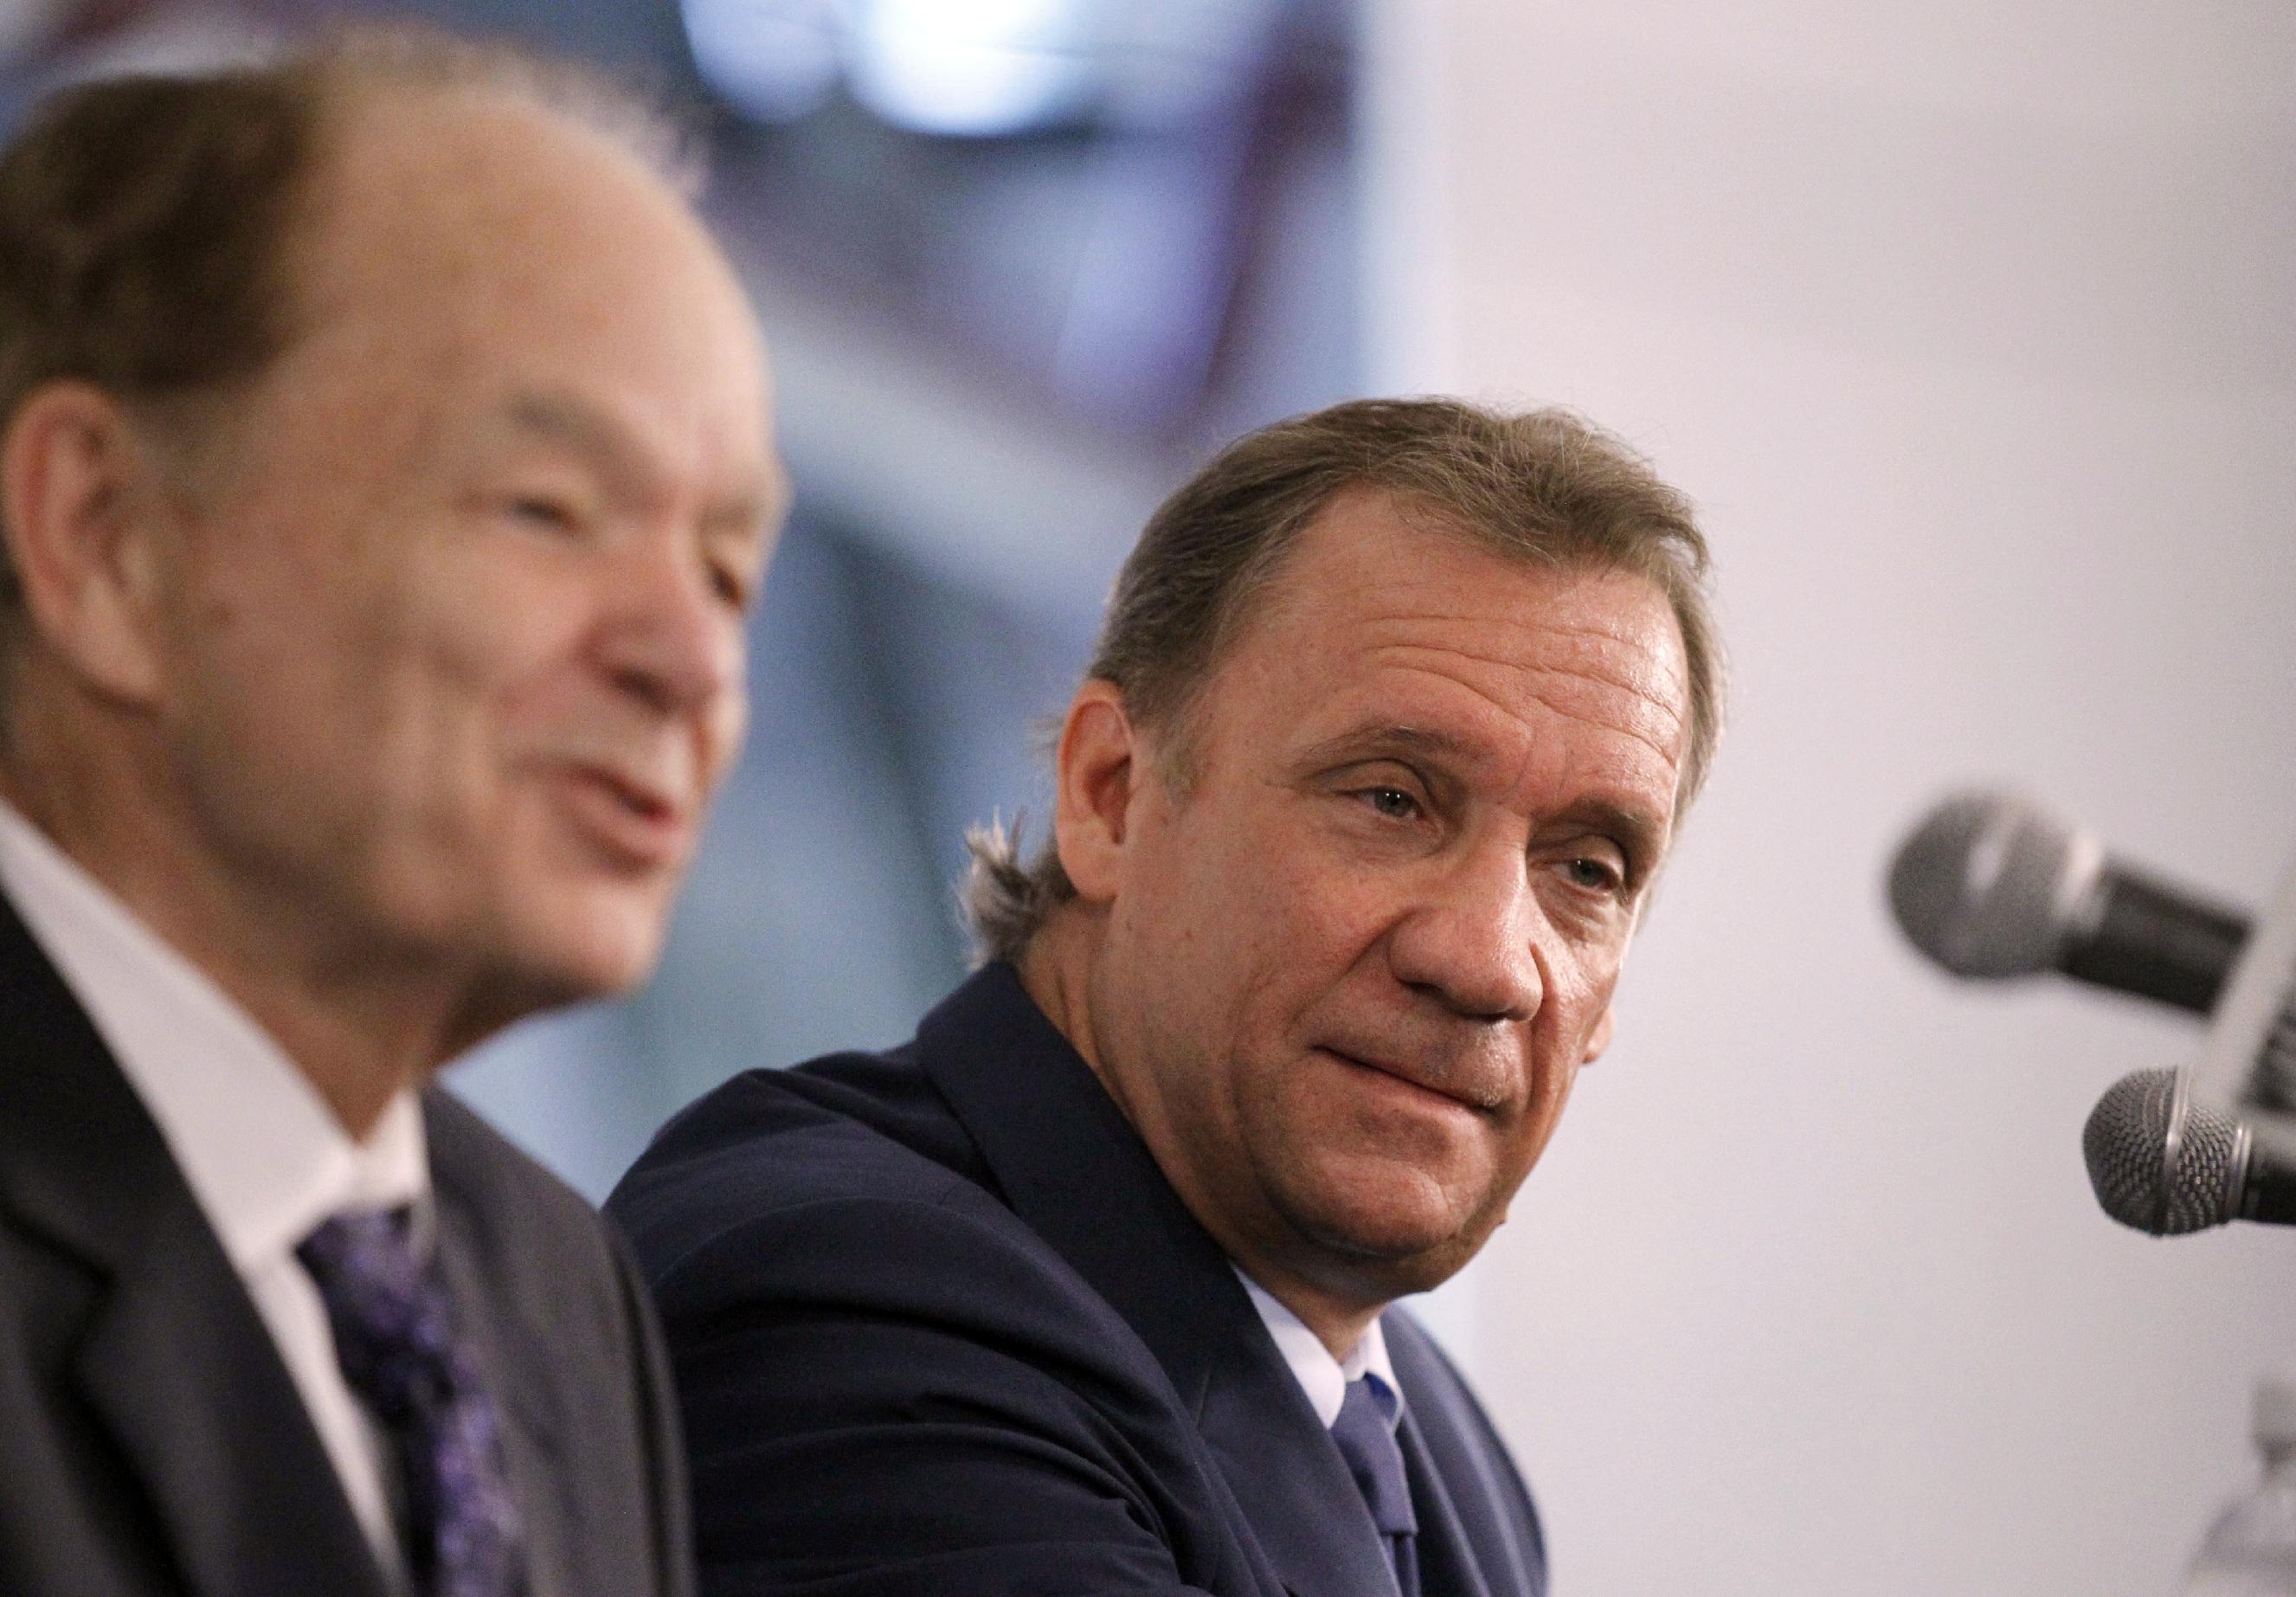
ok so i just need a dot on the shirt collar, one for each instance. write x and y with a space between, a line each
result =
261 1151
1322 1377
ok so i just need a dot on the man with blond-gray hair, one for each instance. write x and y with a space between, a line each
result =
384 479
1088 1287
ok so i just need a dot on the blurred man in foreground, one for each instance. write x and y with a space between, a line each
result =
1087 1287
384 479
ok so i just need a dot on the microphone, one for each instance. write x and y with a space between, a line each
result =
2167 1165
1993 885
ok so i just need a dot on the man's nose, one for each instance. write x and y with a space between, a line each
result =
1471 940
671 640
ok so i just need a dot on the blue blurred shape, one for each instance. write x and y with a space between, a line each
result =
773 61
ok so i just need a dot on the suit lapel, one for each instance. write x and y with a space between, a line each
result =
1477 1533
1289 1479
186 1377
175 1362
1447 1559
488 1316
1073 1168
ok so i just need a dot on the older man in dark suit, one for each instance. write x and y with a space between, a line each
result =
1088 1287
384 475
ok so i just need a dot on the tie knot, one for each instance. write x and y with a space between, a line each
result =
1365 1434
361 1241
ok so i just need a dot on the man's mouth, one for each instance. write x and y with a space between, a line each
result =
636 821
1442 1084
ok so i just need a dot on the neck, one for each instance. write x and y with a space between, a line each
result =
1056 971
360 1029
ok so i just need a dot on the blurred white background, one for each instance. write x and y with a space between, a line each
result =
1973 329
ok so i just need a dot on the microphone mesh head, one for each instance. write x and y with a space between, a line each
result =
2126 1142
1986 885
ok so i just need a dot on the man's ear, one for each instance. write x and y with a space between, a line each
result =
80 504
1600 1039
1096 772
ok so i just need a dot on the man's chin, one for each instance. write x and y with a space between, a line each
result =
581 952
1388 1246
600 968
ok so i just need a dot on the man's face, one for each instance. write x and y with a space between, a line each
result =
1359 953
454 641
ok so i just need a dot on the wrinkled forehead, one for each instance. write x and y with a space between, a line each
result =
1371 557
1380 621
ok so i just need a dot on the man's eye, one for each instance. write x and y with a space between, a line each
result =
537 510
1596 875
730 587
1392 801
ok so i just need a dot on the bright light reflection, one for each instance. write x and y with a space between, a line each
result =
773 61
972 67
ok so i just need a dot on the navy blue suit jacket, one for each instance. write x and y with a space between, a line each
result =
940 1326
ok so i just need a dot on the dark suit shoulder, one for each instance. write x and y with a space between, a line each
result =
846 1183
549 1264
472 1161
879 1110
541 1242
852 1125
852 1306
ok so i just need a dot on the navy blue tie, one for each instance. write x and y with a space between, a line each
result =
395 1338
1365 1432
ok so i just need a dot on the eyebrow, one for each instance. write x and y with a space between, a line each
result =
1388 741
574 424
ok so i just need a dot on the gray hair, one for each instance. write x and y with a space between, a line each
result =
1544 486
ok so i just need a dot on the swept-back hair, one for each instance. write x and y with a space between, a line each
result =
1543 487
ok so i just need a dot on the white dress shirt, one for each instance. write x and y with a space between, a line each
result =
262 1153
1322 1377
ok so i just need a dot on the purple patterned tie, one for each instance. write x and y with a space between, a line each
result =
1365 1434
395 1338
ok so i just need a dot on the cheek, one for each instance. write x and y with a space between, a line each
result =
501 654
269 676
1240 930
1578 996
728 725
1296 893
1546 1112
1257 944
